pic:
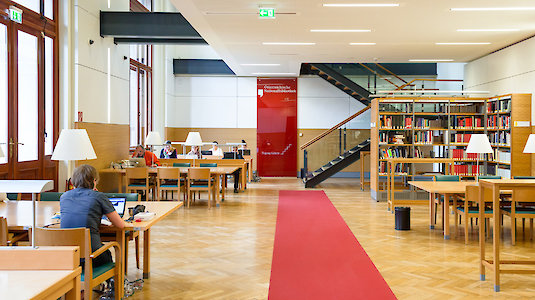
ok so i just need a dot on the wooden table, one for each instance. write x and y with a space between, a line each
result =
18 214
217 171
497 185
391 162
40 284
446 188
362 179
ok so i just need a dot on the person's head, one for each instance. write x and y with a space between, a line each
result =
85 176
244 143
216 145
168 145
140 151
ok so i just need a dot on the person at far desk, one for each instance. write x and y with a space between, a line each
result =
236 174
85 206
195 151
243 146
150 158
216 151
168 151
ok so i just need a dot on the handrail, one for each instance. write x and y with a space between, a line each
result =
374 72
390 72
427 79
328 131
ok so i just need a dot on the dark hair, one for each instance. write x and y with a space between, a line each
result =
84 177
243 141
215 142
140 146
168 143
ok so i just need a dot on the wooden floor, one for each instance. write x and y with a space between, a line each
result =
225 252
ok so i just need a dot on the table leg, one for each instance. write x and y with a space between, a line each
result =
496 235
446 205
121 182
431 210
74 293
481 234
455 216
146 254
250 169
388 200
217 195
243 178
224 187
120 238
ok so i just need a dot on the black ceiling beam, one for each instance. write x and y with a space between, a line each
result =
148 28
201 67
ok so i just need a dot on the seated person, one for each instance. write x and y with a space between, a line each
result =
244 146
150 158
168 151
236 173
195 151
84 207
216 150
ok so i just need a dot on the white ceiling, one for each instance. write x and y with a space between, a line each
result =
410 31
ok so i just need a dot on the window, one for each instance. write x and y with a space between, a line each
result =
36 7
140 93
49 96
3 93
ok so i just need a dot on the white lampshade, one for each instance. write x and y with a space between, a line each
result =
479 143
530 144
2 152
73 144
153 138
194 139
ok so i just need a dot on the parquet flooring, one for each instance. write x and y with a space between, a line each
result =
225 253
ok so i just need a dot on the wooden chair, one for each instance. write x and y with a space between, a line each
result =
469 208
91 277
439 200
129 235
3 231
13 196
168 180
49 196
181 165
209 165
195 175
522 207
137 179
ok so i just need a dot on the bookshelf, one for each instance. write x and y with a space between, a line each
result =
440 128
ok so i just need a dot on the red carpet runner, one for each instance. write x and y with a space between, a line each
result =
316 256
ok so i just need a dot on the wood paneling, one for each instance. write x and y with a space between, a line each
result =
111 143
221 135
520 111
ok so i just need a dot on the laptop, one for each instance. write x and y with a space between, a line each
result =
138 162
206 152
119 204
245 152
229 155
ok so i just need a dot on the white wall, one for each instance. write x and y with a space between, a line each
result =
511 70
230 102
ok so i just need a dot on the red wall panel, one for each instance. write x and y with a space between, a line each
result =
277 127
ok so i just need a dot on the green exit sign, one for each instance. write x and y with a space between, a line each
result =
267 13
15 14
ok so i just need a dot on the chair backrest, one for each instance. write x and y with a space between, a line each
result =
210 165
12 196
490 177
199 173
65 237
3 231
50 196
524 177
447 178
137 173
181 165
472 194
128 196
168 173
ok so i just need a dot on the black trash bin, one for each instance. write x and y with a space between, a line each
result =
403 218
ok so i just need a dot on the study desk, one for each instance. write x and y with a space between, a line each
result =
18 214
40 284
217 171
496 186
446 188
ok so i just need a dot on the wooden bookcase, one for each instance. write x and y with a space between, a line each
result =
439 127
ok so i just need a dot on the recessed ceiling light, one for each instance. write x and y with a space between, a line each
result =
488 30
511 8
455 44
360 4
260 65
288 44
340 30
430 60
362 44
274 74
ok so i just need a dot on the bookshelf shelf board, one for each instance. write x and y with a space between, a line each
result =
499 162
394 114
501 146
390 145
466 114
393 129
430 129
467 129
429 114
420 145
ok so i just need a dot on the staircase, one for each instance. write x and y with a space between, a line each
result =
340 81
336 165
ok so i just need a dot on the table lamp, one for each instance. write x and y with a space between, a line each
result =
193 139
153 139
479 143
530 144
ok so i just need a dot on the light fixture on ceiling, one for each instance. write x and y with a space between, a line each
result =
260 65
430 60
360 4
274 74
462 43
510 8
488 30
362 44
340 30
287 44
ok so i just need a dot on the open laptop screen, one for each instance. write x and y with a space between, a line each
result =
119 204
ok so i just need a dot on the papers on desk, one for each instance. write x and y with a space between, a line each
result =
144 216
